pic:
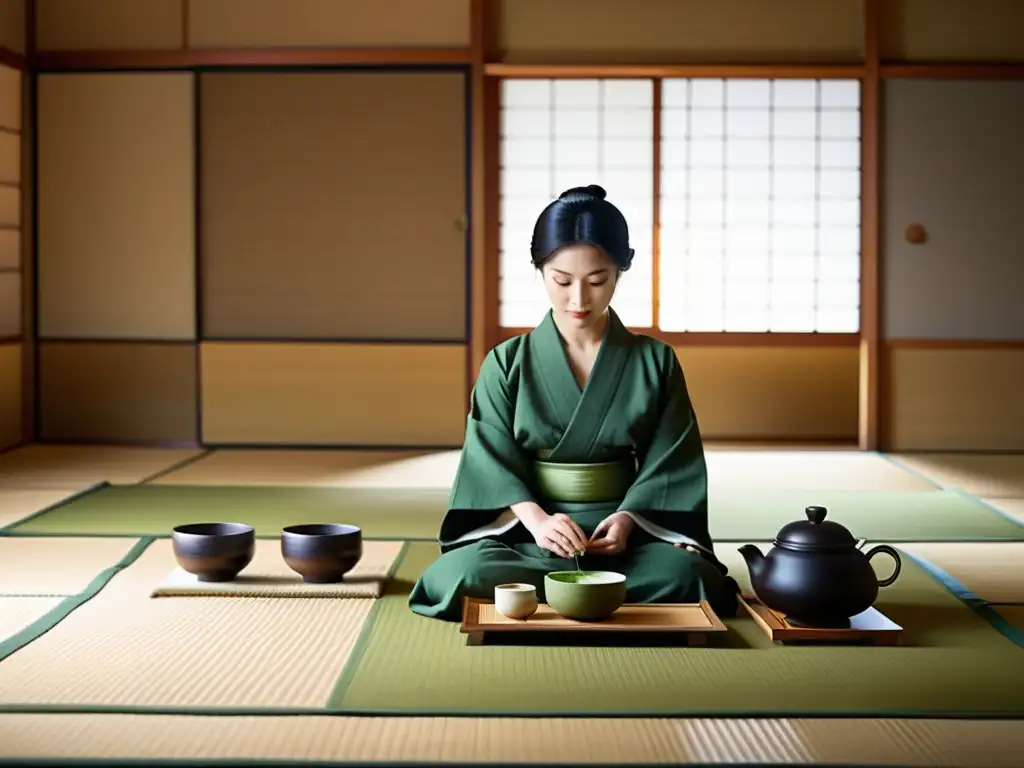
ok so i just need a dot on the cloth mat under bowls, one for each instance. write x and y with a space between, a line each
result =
992 571
475 741
953 662
269 576
56 566
76 467
122 648
416 513
985 475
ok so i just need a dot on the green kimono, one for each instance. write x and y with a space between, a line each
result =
527 405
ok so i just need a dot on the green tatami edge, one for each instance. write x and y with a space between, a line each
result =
981 607
66 607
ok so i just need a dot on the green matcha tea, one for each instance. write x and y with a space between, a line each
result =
578 577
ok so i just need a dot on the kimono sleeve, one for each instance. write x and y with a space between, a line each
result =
494 472
671 487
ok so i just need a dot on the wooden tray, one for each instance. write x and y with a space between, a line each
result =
695 621
869 628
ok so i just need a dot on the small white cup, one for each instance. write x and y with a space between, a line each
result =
516 601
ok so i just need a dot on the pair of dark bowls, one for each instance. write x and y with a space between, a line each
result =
322 553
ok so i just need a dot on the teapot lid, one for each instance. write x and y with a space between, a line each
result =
816 533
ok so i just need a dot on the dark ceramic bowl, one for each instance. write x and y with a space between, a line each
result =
214 551
322 553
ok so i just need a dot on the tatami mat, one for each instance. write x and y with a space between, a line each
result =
353 469
18 503
76 467
993 571
56 566
797 470
985 475
1012 507
16 613
526 741
124 648
809 470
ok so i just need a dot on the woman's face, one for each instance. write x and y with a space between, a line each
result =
580 281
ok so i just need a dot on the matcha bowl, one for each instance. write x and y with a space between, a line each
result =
585 595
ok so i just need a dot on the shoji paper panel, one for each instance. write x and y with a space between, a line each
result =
329 205
118 392
10 395
956 399
770 392
268 23
660 30
322 394
953 30
116 206
109 24
963 183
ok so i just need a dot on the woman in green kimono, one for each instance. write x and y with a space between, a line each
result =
580 389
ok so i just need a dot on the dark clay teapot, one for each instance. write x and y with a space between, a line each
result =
815 574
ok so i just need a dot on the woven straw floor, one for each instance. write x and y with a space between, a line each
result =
539 742
116 648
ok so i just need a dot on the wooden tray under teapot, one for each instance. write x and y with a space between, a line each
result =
693 622
869 628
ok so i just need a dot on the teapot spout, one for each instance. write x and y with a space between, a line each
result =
754 559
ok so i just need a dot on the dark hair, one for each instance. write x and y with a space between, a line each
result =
581 215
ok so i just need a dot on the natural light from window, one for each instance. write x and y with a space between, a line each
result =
557 134
760 205
759 196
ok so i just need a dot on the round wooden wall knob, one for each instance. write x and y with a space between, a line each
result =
916 234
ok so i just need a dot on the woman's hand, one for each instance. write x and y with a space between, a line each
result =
611 535
559 534
556 533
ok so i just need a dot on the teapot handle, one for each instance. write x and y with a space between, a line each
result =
887 550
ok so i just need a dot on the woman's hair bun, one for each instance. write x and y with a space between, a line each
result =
579 194
582 215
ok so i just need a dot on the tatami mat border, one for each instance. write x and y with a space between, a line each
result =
203 453
66 607
987 504
981 608
8 530
909 470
